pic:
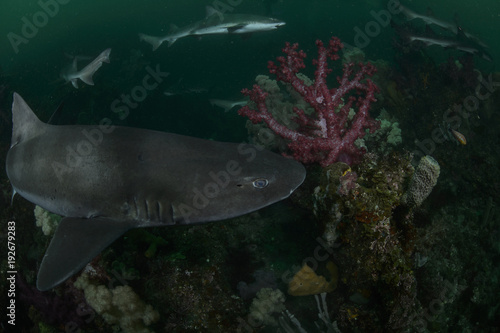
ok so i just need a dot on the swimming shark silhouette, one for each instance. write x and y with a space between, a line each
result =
72 74
452 27
216 23
227 105
108 179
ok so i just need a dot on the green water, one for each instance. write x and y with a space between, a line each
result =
222 64
460 218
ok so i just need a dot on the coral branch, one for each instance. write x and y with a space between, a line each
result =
328 135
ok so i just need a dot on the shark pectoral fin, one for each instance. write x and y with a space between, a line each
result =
13 194
74 83
170 42
76 242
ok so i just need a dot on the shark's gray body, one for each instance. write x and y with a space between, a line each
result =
107 180
216 23
72 74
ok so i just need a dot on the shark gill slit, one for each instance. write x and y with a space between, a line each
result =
159 211
150 210
146 204
136 207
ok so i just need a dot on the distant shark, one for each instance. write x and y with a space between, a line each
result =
216 23
428 19
452 27
461 40
448 43
464 41
226 104
72 74
106 180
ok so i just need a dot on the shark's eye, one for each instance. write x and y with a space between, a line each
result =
260 183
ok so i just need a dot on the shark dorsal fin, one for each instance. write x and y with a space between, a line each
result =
74 64
26 124
430 12
173 27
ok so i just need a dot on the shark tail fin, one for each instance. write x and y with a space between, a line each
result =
154 41
26 124
76 242
86 74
